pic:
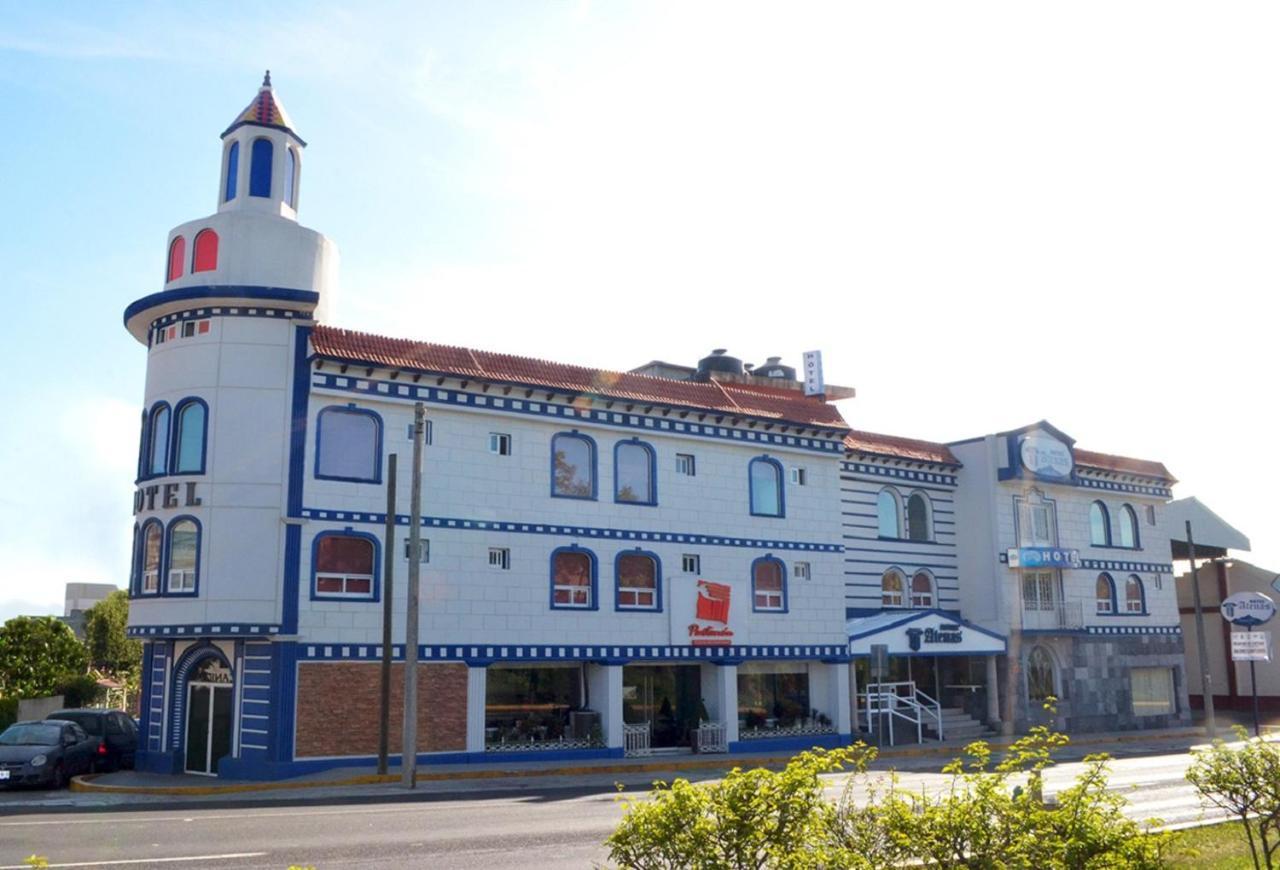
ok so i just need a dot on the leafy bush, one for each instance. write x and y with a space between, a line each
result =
1244 780
80 691
8 712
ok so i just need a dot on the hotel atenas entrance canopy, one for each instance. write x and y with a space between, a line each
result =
921 633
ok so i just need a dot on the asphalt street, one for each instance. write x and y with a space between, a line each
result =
547 828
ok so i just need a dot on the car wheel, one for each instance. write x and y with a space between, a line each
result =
59 777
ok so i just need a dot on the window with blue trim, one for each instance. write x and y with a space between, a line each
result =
922 590
1099 525
1128 527
1135 598
344 566
149 558
918 524
888 514
233 171
260 168
158 441
142 446
638 576
1105 594
290 176
768 584
189 437
893 589
573 579
633 472
766 487
183 549
573 457
349 445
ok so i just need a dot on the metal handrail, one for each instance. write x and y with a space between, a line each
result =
891 700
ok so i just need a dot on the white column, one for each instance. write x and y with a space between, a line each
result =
853 694
604 686
839 676
720 694
993 693
477 685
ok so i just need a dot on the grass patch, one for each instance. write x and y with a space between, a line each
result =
1222 847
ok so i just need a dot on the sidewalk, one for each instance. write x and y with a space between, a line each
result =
130 789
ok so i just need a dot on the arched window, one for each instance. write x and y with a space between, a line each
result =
344 565
765 483
189 437
1135 598
634 467
768 585
573 579
573 466
1099 525
889 514
260 168
184 556
893 588
349 445
233 171
177 256
149 558
1106 594
1041 675
205 254
922 590
1128 527
639 580
290 177
142 446
918 525
158 441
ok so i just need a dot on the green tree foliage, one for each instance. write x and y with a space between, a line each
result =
37 653
1244 780
110 648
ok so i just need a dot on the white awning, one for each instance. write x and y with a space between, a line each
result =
1208 529
921 633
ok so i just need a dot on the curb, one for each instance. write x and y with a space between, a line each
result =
87 782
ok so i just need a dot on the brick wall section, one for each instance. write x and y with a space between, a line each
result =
338 708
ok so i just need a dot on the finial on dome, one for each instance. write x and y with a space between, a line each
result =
266 79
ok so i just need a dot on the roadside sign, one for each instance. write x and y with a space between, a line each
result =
1251 646
1247 608
879 661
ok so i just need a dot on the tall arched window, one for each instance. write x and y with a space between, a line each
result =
573 466
290 176
918 525
766 487
177 257
1128 527
1099 525
149 558
1041 675
158 441
922 590
260 168
573 579
1105 594
189 437
204 257
889 514
639 579
344 565
184 556
893 588
768 585
142 446
633 473
1135 599
233 172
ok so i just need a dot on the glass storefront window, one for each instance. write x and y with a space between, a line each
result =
527 705
773 699
1152 690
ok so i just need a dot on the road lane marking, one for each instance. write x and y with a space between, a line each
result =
142 861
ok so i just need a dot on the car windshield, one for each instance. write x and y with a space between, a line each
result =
91 722
30 735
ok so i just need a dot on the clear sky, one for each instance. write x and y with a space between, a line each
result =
984 214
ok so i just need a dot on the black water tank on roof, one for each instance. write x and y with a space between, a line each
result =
773 368
719 362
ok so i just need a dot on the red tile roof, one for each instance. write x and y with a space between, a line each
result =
1123 464
903 448
747 400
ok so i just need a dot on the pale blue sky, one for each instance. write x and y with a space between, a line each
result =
983 214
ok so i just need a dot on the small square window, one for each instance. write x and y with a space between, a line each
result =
691 563
188 329
801 571
160 336
426 432
424 554
500 443
500 557
685 464
203 327
798 476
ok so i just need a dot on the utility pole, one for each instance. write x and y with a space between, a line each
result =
388 566
1206 681
409 756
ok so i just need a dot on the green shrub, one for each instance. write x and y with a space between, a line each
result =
1244 780
80 691
8 712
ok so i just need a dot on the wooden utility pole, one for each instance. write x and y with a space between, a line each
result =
409 756
1206 680
388 566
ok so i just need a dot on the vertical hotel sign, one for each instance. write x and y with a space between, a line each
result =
813 383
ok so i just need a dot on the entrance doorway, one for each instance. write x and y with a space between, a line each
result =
667 698
209 708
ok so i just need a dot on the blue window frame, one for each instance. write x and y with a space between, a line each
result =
182 557
573 465
158 440
637 580
1128 527
133 563
142 445
260 168
765 483
233 172
349 444
290 176
1135 596
919 517
344 566
150 557
1105 595
768 585
573 579
888 514
635 470
1099 525
190 430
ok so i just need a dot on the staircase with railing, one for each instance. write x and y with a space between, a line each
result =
886 705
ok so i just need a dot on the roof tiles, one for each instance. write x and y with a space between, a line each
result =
902 448
1123 464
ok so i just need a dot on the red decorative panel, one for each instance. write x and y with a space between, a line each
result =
205 258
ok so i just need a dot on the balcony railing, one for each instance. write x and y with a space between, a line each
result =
1061 615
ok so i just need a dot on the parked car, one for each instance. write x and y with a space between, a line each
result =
115 732
45 752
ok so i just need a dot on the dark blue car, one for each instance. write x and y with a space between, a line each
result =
47 752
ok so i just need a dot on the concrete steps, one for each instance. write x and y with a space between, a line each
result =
958 726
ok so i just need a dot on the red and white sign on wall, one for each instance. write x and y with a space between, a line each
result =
706 613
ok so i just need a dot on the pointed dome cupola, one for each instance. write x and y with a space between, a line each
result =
261 158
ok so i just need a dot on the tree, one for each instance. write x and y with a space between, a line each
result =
110 648
36 654
1244 780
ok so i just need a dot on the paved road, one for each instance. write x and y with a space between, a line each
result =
553 828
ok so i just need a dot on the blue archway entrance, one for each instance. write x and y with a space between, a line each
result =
209 711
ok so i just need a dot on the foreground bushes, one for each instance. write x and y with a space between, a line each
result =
988 817
1244 780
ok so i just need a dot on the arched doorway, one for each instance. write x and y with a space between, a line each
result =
209 714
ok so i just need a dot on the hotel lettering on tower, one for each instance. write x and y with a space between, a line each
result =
671 558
